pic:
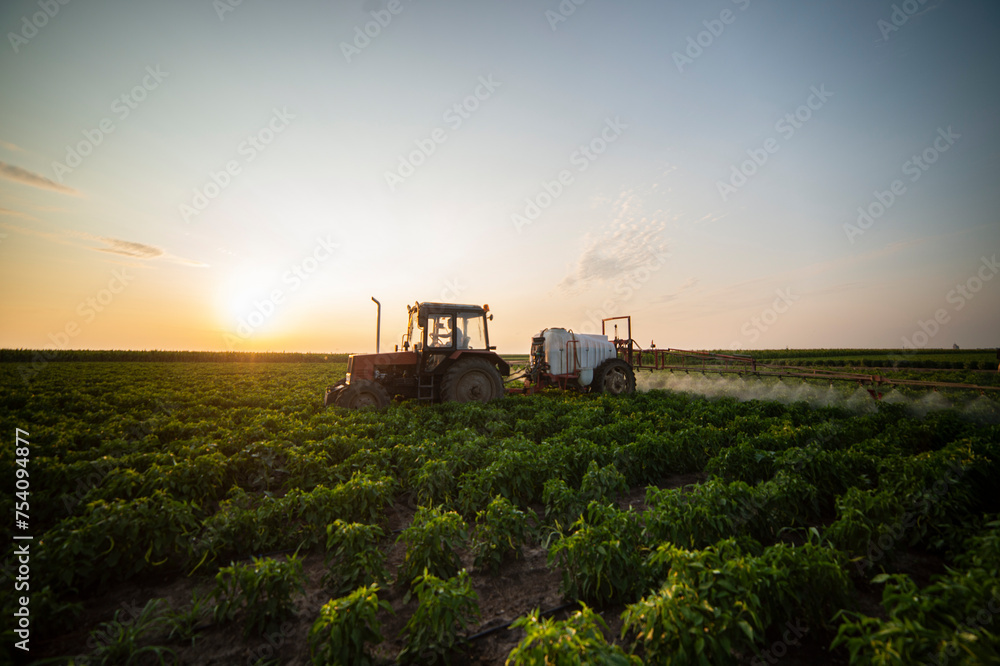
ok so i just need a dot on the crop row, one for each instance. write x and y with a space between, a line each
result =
180 468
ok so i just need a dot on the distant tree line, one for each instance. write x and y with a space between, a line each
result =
885 363
133 355
762 354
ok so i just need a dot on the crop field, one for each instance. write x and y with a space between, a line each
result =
217 513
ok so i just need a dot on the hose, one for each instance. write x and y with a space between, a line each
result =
492 630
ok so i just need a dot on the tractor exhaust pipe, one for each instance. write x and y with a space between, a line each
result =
378 324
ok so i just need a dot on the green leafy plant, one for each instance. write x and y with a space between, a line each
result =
951 618
499 533
517 472
445 607
788 499
118 641
871 526
345 628
263 590
602 483
602 560
248 523
982 551
361 498
434 481
706 608
184 623
563 505
352 556
808 582
431 543
575 641
743 462
117 540
702 515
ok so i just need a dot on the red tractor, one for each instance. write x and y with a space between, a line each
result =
445 356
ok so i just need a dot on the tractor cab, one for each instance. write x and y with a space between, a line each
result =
436 330
444 354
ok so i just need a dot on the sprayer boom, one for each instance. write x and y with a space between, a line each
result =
683 360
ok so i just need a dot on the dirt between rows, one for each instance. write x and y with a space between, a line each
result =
521 586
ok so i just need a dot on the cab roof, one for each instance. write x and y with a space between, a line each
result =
428 308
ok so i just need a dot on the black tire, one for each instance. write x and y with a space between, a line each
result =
614 377
333 392
471 379
363 393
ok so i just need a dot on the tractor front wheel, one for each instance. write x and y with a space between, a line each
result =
363 393
333 392
614 377
471 379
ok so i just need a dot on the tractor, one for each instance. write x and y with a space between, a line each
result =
445 355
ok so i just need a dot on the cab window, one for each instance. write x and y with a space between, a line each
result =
469 332
440 331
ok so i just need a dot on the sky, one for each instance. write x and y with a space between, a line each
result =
736 174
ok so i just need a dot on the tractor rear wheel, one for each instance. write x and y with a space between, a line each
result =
363 393
614 377
471 379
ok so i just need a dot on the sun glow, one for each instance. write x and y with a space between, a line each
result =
247 297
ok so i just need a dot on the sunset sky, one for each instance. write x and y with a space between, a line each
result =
247 175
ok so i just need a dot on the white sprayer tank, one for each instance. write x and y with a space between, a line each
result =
567 352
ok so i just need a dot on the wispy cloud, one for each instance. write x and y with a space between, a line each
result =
629 241
130 248
11 146
117 246
25 177
31 204
16 213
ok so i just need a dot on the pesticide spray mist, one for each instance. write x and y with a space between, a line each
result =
788 391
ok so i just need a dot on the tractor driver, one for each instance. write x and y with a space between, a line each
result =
440 334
